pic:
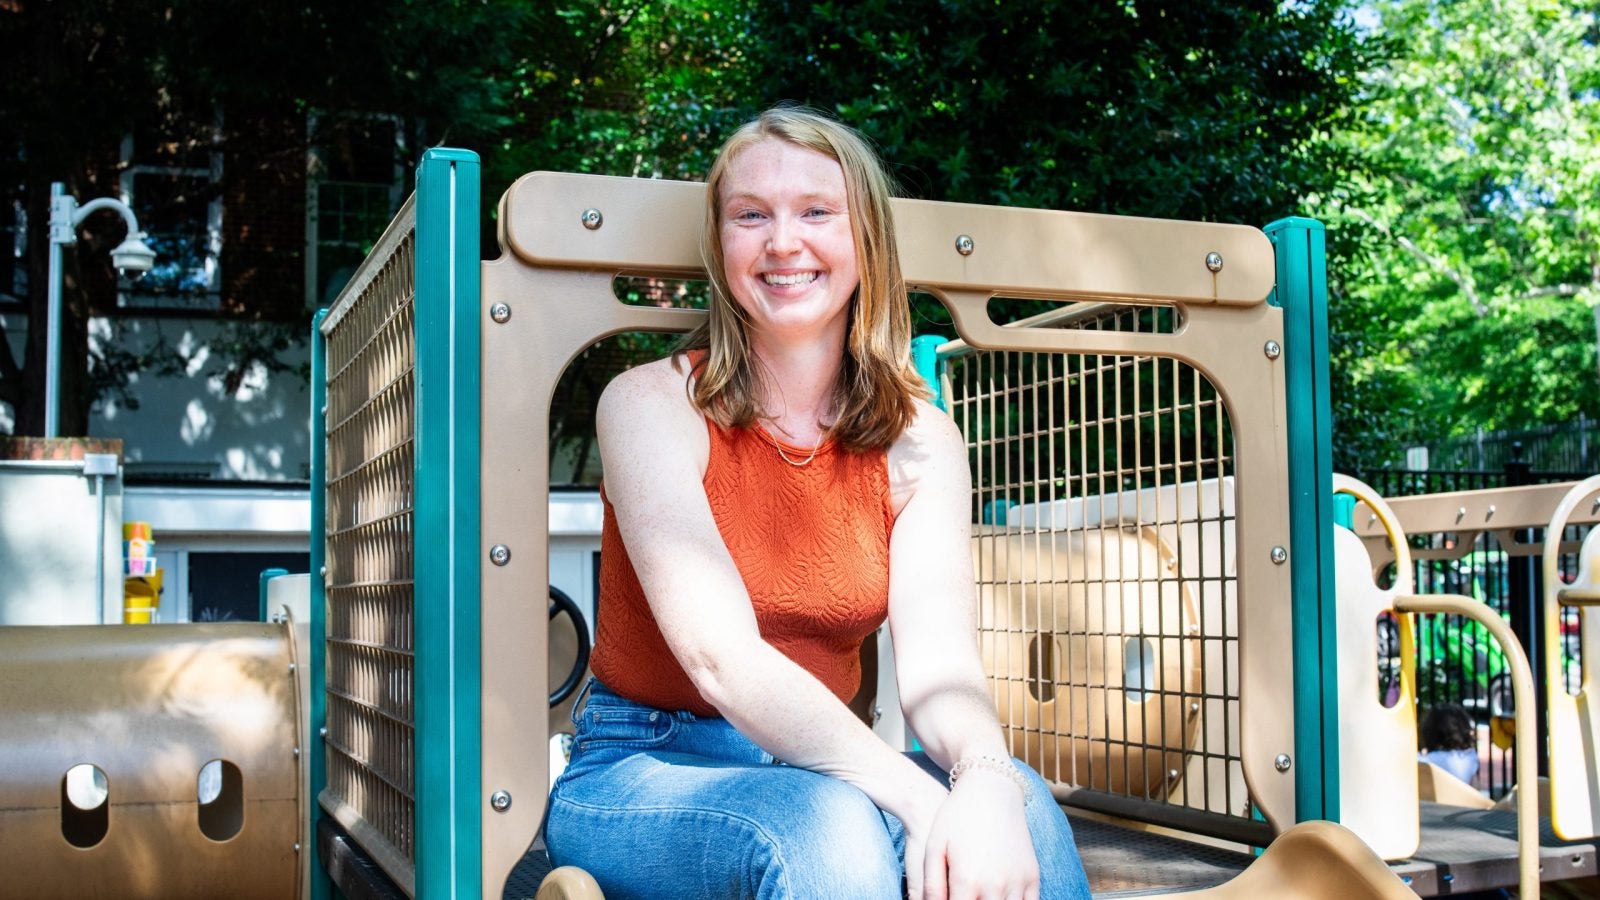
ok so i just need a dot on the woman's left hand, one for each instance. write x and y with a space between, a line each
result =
979 847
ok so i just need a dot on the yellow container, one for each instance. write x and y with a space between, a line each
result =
141 597
136 530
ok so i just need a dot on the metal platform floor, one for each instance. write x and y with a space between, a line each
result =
1462 850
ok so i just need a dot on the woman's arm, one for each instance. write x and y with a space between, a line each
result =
654 447
978 844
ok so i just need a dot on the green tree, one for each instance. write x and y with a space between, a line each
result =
1468 297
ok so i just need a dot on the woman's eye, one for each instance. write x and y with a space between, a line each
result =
747 215
818 212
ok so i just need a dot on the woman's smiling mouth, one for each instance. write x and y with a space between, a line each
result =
789 278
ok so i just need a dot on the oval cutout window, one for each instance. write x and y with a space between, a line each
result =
220 792
1138 668
85 805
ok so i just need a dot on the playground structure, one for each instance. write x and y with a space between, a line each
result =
1163 589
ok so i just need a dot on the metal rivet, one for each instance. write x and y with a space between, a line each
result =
500 312
1280 555
500 801
592 218
322 732
1172 774
965 245
297 753
1281 762
1273 349
499 554
1461 513
291 667
877 714
1490 514
297 848
1214 261
1194 706
324 572
654 716
324 411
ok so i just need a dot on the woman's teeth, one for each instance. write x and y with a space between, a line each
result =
797 278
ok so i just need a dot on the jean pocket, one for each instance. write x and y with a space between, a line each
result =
612 726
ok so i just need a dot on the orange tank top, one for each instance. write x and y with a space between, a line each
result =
811 543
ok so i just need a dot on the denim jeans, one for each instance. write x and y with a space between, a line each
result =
658 804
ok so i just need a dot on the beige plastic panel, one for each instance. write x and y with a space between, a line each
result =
149 705
1574 720
1377 746
655 225
556 277
1082 591
1469 513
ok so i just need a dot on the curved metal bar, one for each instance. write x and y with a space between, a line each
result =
1522 690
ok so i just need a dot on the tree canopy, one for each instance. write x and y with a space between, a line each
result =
1466 291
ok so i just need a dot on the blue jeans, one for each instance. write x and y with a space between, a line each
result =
659 804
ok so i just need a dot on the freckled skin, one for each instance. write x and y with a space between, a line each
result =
784 212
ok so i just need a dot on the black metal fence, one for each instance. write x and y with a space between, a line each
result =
1457 662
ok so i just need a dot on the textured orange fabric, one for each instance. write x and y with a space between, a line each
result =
812 544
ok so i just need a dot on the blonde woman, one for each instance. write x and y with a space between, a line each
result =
772 494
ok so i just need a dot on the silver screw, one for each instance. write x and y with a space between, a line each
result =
297 753
324 572
1172 774
291 667
500 312
1490 513
500 801
1461 513
1279 555
1273 349
1281 762
1214 261
592 218
322 732
877 714
297 847
965 245
1194 706
499 554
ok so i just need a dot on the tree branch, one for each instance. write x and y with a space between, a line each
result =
1462 280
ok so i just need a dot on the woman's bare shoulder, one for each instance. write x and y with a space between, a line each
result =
650 404
930 450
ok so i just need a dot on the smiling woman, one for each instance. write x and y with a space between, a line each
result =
773 492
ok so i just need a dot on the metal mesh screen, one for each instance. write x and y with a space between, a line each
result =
370 420
1103 486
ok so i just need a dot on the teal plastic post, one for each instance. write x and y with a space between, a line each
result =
445 535
1344 511
925 356
321 884
1302 292
266 576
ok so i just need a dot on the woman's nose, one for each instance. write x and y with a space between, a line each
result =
782 240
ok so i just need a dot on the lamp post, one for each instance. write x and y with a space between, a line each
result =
132 255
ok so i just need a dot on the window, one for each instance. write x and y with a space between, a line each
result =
171 181
356 183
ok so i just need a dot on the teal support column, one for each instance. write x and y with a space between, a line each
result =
925 356
450 800
266 576
321 884
1302 293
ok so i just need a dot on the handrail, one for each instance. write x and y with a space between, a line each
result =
1522 692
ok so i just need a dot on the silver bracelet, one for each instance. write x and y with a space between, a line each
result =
996 763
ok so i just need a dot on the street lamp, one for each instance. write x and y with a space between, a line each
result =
132 255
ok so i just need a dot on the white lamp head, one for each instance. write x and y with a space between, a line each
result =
133 255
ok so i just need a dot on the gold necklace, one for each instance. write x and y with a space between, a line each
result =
785 457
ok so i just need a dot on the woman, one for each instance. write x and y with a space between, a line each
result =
771 494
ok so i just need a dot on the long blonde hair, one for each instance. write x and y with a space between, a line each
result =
878 385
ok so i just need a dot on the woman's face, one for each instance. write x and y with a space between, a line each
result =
787 250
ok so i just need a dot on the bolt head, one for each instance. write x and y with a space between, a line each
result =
1281 762
965 245
1273 349
322 732
500 801
1214 261
500 312
592 218
500 554
1279 555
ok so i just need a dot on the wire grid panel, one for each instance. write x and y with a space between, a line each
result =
1103 486
371 428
